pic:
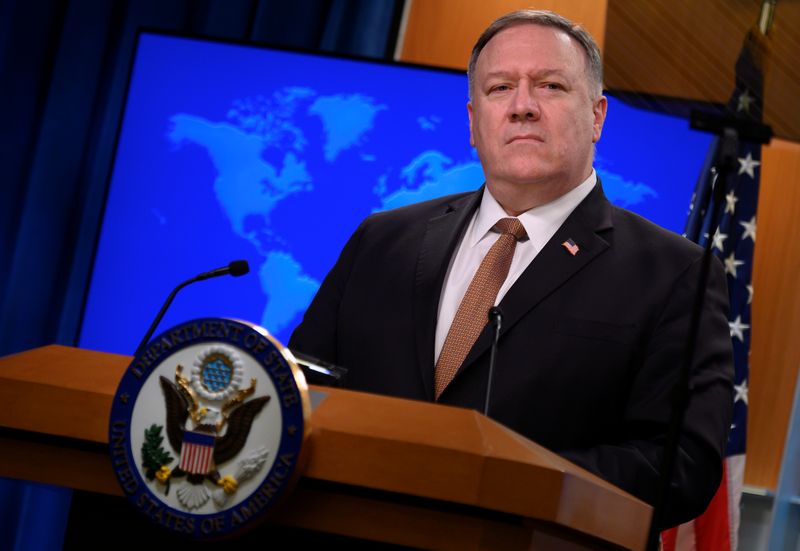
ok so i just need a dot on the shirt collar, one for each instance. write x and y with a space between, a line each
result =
536 220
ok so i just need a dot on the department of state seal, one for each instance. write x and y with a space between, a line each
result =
207 427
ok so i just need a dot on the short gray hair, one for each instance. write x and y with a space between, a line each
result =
543 18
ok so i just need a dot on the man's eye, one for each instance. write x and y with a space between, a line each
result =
500 88
553 86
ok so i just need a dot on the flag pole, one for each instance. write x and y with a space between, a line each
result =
732 130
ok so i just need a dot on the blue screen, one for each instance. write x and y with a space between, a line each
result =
228 151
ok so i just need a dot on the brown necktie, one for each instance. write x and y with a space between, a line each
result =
473 312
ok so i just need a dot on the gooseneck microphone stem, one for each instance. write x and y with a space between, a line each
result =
235 268
161 313
496 321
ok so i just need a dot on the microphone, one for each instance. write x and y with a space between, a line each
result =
496 321
319 372
236 268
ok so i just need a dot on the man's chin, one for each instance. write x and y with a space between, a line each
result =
531 177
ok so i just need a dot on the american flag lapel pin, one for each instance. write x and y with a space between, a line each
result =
570 245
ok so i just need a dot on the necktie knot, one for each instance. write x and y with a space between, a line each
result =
511 226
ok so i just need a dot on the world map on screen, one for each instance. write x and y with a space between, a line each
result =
228 151
250 188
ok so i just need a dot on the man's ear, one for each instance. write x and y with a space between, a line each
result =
471 134
599 110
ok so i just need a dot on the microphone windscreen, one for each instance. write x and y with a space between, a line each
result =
239 267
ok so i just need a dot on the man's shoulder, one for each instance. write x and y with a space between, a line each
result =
633 234
424 209
639 233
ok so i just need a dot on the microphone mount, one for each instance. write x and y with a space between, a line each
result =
496 321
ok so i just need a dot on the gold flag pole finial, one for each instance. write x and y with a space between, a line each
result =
767 15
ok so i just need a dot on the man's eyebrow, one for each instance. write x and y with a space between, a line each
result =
552 72
542 73
500 74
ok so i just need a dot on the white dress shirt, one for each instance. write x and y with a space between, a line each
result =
540 224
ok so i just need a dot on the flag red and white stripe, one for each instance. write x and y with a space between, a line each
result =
197 452
716 529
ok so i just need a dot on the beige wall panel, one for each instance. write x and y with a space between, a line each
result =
442 32
774 350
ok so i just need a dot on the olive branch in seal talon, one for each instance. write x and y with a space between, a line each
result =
154 457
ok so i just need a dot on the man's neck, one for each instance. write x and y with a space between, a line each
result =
517 198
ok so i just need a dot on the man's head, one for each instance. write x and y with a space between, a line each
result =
594 64
536 107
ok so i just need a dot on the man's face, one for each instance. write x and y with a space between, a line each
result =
533 118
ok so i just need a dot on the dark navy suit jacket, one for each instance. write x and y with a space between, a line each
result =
590 347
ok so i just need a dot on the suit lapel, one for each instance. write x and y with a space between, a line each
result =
553 266
442 235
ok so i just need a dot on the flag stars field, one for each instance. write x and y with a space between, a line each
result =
738 328
744 102
719 240
741 392
730 202
731 264
747 165
749 229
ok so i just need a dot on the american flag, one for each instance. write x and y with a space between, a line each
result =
733 242
570 245
197 452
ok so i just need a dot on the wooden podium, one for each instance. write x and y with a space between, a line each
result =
384 469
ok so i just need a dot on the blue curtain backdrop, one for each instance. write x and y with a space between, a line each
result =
63 68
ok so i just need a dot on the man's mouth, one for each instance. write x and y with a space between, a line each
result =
526 138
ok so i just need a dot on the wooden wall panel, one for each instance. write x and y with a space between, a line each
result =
688 48
774 350
442 32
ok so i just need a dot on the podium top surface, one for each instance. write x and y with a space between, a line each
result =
364 440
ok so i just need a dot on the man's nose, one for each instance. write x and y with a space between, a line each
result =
524 106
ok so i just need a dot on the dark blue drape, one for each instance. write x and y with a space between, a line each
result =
63 69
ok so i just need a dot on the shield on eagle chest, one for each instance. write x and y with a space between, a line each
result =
197 452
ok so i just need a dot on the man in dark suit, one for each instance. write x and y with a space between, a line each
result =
595 300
